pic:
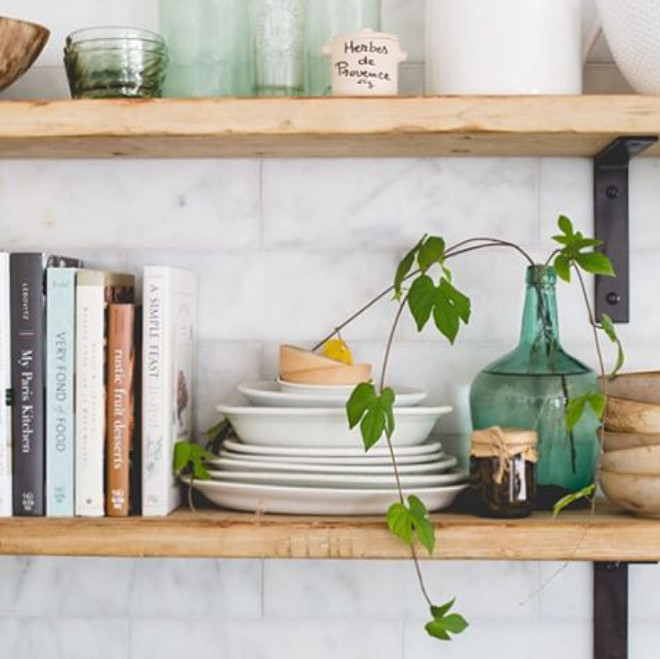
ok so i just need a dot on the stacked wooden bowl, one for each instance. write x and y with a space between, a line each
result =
630 468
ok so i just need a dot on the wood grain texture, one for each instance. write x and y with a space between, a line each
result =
325 127
608 536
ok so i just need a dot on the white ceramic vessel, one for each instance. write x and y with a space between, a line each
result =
503 46
366 459
323 427
632 30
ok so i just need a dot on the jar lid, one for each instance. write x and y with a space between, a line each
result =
504 443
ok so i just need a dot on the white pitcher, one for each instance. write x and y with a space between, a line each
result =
503 47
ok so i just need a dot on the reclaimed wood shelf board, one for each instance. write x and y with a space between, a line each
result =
325 127
609 535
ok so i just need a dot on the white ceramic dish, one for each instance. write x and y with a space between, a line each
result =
327 427
228 464
364 460
339 481
330 390
317 501
268 393
329 452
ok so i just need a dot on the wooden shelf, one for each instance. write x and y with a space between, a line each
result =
607 536
398 126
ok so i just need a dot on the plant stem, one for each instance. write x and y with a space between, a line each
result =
455 250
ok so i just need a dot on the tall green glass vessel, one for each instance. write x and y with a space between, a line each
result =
530 387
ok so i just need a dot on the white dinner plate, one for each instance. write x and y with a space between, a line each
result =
301 426
330 452
268 393
355 481
228 464
364 459
316 501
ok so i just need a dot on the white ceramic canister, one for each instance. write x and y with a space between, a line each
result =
503 47
365 63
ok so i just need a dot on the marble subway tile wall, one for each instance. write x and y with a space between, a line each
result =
319 237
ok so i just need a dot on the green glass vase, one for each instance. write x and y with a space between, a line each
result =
530 387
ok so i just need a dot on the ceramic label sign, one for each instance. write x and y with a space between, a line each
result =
365 63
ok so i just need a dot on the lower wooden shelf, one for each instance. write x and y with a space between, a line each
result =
575 536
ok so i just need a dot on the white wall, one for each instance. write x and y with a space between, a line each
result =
317 236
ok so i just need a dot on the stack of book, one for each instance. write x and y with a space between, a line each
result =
98 388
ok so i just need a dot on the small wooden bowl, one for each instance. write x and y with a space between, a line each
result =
638 493
640 460
622 441
643 387
302 366
20 44
630 416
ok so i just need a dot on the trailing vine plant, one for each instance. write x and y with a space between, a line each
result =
424 285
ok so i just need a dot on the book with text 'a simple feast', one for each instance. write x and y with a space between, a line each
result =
169 329
5 391
95 289
60 363
27 304
120 407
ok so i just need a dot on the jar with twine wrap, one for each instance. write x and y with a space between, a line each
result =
502 471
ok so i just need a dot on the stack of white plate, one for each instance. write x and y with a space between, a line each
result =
297 455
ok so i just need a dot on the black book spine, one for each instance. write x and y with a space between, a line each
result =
27 349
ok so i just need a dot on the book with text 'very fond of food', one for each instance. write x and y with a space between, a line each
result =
5 391
169 328
120 407
95 289
27 288
60 364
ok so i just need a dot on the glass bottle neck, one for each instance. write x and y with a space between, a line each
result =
540 328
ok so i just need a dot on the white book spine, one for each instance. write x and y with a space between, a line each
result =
156 393
5 387
90 401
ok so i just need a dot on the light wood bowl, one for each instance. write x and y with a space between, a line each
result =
643 387
20 44
640 460
622 441
637 493
630 416
302 366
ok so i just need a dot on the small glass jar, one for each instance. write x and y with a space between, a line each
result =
503 472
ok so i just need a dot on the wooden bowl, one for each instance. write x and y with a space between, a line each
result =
621 441
640 460
630 416
302 366
641 387
637 493
20 44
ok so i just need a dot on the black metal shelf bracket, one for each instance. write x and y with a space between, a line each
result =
611 189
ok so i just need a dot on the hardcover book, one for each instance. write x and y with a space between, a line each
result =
5 391
60 352
120 405
27 284
169 329
95 289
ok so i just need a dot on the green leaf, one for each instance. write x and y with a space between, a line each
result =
574 411
199 471
595 263
607 326
460 302
446 319
182 452
412 520
432 251
442 610
421 298
585 493
565 225
437 630
398 521
404 268
372 427
361 399
387 406
597 403
563 267
455 623
444 624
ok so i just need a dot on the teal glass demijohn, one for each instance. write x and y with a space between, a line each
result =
529 388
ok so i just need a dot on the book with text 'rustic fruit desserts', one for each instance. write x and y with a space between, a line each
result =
60 364
169 328
120 406
95 289
27 284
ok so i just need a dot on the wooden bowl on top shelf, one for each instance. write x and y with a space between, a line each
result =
631 416
21 42
643 387
301 366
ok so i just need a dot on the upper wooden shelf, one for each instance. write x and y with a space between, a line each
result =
607 536
337 127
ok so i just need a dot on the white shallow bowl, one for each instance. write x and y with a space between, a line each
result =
365 460
330 390
268 393
338 481
232 464
316 501
326 427
304 452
